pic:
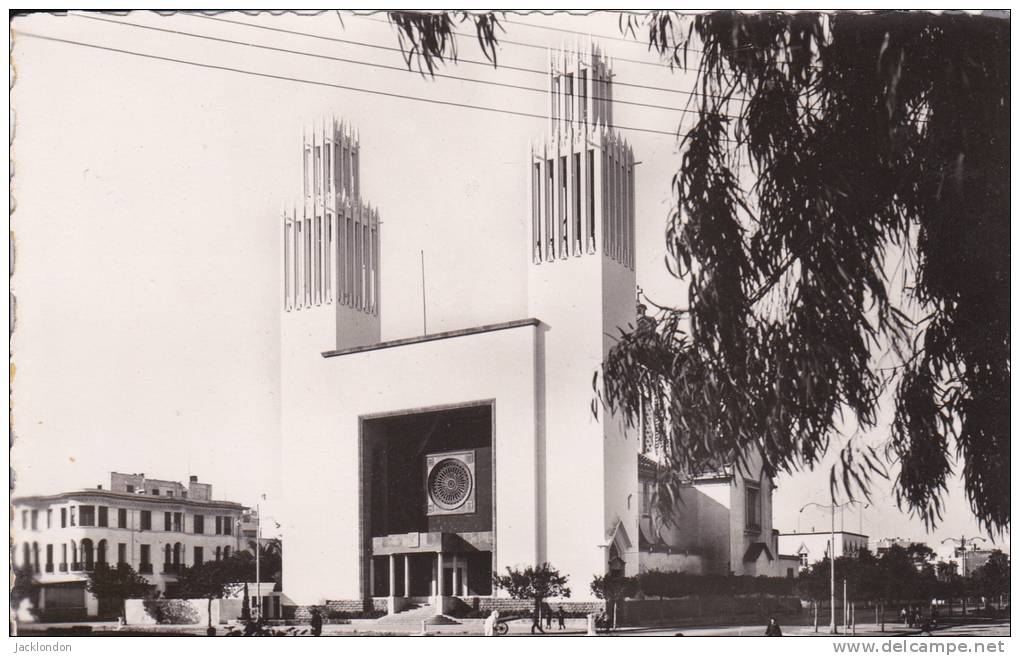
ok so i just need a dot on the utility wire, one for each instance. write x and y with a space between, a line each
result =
502 41
285 78
359 62
487 64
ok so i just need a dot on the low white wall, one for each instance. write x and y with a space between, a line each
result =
175 611
672 562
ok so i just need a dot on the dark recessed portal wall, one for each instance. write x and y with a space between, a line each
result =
395 449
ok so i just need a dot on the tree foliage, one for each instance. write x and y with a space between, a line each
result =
992 578
429 39
537 583
213 579
877 224
117 583
841 222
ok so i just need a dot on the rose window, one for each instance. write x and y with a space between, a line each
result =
450 484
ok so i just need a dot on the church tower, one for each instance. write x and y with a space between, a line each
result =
331 247
581 285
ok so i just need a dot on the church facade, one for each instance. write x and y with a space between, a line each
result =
480 450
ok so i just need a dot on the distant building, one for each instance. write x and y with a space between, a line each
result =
140 521
812 547
972 560
881 545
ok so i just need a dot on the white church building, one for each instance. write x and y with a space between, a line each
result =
479 449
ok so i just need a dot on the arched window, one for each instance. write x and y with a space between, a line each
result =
226 552
217 553
75 563
177 554
101 552
35 557
26 555
167 559
87 555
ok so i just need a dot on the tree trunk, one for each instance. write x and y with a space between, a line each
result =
815 604
882 616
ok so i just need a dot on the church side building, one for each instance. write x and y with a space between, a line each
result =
416 468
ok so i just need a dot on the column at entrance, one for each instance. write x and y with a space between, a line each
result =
456 577
407 575
440 591
393 576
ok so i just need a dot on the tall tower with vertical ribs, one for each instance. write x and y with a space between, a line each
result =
331 248
581 284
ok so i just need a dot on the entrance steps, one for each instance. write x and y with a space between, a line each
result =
411 618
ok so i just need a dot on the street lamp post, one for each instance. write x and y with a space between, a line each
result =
832 559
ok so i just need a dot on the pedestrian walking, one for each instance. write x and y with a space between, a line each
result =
561 617
490 623
536 620
773 630
547 613
316 622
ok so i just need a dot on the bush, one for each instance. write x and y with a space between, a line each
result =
171 611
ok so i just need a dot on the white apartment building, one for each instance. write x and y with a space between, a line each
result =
156 526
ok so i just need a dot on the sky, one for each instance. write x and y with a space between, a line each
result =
148 197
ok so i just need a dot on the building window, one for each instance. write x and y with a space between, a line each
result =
752 509
219 524
63 558
584 96
199 524
145 565
103 516
74 512
227 526
570 98
550 239
591 197
121 553
199 556
122 518
177 522
131 489
536 212
87 515
555 96
146 520
49 518
218 552
226 552
24 520
167 521
49 557
563 206
646 499
35 520
63 518
155 492
170 493
576 242
804 559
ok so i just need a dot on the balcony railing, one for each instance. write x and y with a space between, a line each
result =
75 567
145 568
49 568
62 567
171 568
